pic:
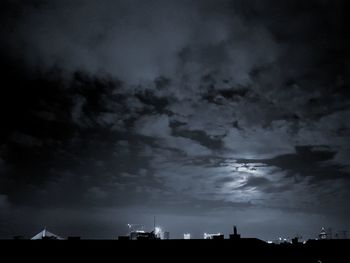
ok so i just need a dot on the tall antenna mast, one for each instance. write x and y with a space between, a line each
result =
154 224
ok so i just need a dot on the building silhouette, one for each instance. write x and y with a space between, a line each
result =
322 234
235 235
187 236
147 236
213 236
46 235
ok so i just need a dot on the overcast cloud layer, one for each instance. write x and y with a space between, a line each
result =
203 113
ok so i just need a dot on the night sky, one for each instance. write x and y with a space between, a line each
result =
204 114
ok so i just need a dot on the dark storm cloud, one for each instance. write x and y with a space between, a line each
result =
131 39
135 40
313 161
177 107
256 181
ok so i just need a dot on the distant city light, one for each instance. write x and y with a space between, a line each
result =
187 236
157 230
210 236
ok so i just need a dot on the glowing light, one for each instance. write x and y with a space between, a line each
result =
210 236
157 230
187 236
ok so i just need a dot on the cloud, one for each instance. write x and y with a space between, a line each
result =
154 126
158 127
4 202
2 165
260 142
26 140
254 181
136 44
309 161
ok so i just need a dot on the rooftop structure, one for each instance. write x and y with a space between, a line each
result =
46 235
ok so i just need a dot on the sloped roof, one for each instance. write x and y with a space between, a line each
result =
46 235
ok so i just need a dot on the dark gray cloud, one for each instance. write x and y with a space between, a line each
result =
313 161
188 110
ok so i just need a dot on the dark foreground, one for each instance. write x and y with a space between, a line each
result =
248 250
